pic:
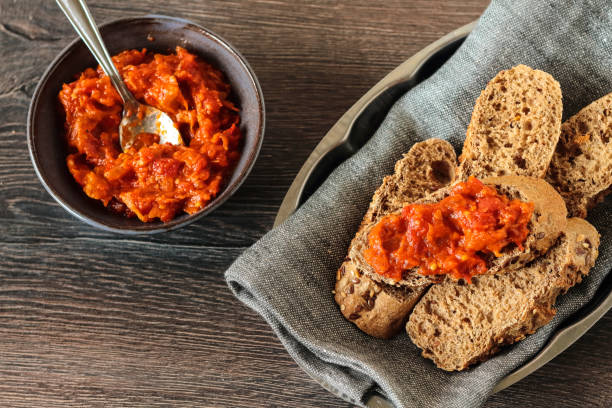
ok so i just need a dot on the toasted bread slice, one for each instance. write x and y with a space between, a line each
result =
376 308
546 224
459 325
581 168
515 126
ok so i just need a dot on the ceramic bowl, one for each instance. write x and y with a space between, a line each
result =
159 34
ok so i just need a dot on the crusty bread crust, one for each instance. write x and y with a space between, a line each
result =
546 224
459 325
515 126
378 309
581 168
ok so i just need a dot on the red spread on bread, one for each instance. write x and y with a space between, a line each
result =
453 236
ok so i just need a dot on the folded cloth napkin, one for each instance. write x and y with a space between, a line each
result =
288 275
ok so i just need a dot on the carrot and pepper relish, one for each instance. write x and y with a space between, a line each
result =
450 237
155 181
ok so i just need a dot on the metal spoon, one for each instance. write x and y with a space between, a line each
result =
138 119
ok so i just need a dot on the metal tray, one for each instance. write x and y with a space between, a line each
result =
358 124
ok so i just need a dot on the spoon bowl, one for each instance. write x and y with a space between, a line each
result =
139 121
147 125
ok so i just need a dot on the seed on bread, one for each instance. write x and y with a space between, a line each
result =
457 326
581 168
514 127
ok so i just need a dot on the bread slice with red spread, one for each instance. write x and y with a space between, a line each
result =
581 168
459 325
546 223
515 126
378 309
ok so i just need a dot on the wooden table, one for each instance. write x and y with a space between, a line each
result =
89 318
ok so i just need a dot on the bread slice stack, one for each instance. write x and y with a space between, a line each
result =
376 308
514 135
459 325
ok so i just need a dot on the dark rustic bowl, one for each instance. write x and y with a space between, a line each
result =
47 145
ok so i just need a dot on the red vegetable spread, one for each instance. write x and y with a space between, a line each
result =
452 236
155 181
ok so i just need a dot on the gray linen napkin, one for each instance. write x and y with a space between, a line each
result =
288 275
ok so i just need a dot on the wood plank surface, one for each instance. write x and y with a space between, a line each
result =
89 318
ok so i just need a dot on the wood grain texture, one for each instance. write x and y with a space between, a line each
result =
89 318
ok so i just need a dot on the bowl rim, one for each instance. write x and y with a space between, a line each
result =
175 223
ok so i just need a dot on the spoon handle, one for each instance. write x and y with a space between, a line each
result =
79 16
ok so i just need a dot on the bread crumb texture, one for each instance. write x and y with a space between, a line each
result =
515 125
581 168
457 324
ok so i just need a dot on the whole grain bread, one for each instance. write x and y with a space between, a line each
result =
427 167
581 168
378 309
515 126
459 325
545 226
